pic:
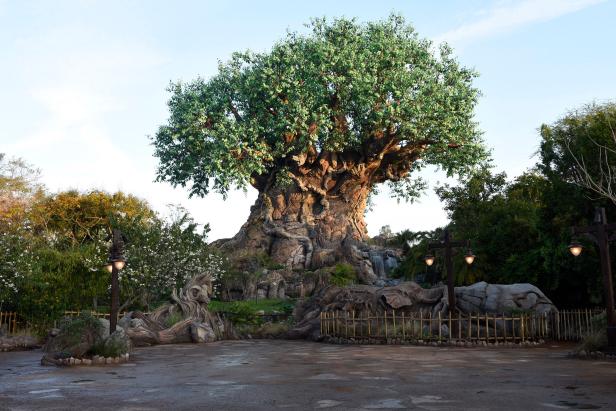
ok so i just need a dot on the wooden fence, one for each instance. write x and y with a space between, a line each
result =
561 326
8 320
94 313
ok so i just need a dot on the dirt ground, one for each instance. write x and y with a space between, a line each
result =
298 375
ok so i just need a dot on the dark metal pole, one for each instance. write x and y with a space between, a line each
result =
451 293
606 269
116 255
115 299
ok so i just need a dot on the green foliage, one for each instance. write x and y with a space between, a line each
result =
59 281
519 229
596 341
343 274
265 305
247 316
173 319
163 254
72 331
345 87
53 248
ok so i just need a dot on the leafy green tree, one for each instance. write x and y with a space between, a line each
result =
19 189
314 125
162 255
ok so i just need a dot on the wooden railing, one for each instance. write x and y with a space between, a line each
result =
8 320
564 325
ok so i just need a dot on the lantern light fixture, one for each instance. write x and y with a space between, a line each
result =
429 259
575 248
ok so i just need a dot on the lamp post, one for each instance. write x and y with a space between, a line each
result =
448 245
114 265
601 233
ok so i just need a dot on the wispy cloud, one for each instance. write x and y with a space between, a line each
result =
505 17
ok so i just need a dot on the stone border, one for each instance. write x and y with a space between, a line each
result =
95 360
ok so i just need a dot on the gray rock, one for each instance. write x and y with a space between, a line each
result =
496 298
106 327
202 333
118 341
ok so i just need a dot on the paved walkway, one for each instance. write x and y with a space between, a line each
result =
297 375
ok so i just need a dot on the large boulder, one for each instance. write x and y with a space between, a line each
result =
499 298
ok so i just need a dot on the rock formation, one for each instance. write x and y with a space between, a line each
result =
410 297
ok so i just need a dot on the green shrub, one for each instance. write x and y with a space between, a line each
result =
596 341
111 347
247 312
343 274
73 329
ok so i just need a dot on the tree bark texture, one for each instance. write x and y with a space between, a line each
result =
317 219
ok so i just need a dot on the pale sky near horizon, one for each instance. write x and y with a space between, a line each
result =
83 83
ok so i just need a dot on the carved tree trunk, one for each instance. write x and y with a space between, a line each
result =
318 219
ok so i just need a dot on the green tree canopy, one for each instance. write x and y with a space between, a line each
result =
375 91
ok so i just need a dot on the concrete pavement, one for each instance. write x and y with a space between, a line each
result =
299 375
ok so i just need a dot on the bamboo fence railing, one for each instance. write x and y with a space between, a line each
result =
8 320
572 325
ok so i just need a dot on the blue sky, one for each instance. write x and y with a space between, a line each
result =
83 82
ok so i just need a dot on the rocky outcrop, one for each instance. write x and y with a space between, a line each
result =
410 297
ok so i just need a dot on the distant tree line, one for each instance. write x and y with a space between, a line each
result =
53 248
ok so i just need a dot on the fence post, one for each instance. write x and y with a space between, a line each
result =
450 329
385 321
430 326
421 324
487 329
470 325
504 328
478 332
439 326
393 315
403 327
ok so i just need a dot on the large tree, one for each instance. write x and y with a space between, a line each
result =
314 125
